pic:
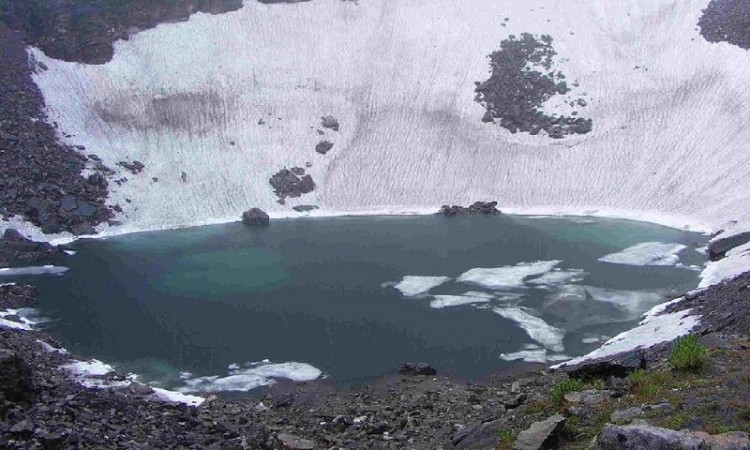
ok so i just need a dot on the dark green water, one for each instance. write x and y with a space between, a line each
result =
312 291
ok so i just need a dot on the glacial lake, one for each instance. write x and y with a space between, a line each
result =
226 308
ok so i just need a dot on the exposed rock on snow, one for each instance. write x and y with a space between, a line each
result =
330 122
523 79
286 183
323 147
727 21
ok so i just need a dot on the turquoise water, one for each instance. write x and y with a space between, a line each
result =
320 292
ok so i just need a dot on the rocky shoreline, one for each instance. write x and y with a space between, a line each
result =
42 406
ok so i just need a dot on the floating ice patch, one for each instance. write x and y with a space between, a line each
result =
7 284
558 277
33 270
634 302
537 329
446 301
176 397
647 254
70 252
412 286
651 331
243 380
507 277
532 353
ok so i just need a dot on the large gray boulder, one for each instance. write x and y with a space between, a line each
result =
544 435
639 437
255 217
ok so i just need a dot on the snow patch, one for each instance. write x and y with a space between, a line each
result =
647 254
537 329
50 349
736 262
507 277
413 286
654 329
176 397
251 377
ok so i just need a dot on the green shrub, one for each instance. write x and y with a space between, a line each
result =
688 354
560 389
506 436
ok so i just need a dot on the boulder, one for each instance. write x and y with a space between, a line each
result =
416 369
15 377
286 183
590 398
255 217
618 367
639 437
543 435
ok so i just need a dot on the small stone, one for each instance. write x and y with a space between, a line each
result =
330 122
626 415
291 442
323 147
24 426
515 401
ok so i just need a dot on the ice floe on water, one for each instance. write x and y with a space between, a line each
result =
634 302
507 277
558 277
413 286
469 298
251 376
33 270
533 354
647 254
537 329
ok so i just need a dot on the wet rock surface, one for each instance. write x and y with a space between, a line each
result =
522 79
40 178
85 30
16 250
291 183
727 21
475 208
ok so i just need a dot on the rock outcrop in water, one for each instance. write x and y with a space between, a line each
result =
475 208
17 250
727 21
522 79
255 217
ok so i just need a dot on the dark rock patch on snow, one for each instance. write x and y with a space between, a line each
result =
330 122
522 79
727 21
323 147
287 183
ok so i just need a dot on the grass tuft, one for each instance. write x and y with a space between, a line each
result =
688 354
560 389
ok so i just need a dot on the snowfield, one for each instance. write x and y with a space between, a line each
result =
216 105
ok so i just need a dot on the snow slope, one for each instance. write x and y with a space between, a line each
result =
668 110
